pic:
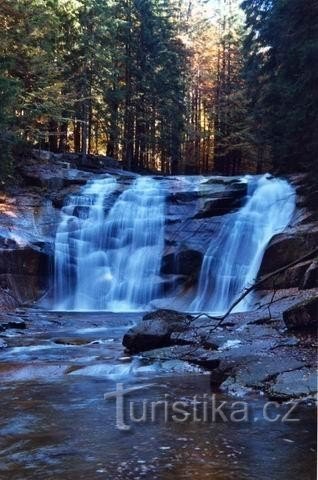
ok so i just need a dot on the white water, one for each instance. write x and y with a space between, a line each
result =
234 257
108 250
110 261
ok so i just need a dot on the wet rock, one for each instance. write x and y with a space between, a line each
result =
311 277
221 203
220 206
219 180
253 372
8 322
186 262
170 316
294 384
303 315
24 272
193 354
23 260
58 198
291 278
72 341
263 369
154 331
7 301
183 197
288 247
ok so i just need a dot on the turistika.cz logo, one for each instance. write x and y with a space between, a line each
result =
206 408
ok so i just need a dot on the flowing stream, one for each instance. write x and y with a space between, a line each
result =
233 259
107 257
58 413
109 245
55 423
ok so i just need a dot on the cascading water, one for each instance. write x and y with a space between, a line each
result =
110 261
109 247
234 256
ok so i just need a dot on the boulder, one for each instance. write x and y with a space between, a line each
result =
291 278
155 330
311 277
218 206
223 202
294 384
303 315
288 247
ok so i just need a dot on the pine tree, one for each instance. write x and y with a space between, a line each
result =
281 71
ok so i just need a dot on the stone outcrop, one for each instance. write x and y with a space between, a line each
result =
184 262
288 247
155 330
303 315
293 277
250 351
225 202
53 177
24 273
310 279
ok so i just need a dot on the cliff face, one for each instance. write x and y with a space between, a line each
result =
25 247
29 215
273 347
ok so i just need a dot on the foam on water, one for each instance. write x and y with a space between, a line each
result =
234 256
110 261
109 247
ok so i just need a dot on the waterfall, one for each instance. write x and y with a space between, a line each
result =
234 256
109 245
110 260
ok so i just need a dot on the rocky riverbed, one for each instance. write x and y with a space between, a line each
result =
56 421
270 349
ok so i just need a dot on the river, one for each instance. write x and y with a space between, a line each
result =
56 424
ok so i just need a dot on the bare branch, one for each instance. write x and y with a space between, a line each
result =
253 287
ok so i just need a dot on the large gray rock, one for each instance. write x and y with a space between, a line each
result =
53 176
288 247
224 202
293 277
294 384
303 315
154 331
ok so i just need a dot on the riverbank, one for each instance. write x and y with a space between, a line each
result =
250 351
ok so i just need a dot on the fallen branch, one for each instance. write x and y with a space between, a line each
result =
253 287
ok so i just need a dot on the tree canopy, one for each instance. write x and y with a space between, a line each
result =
162 84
